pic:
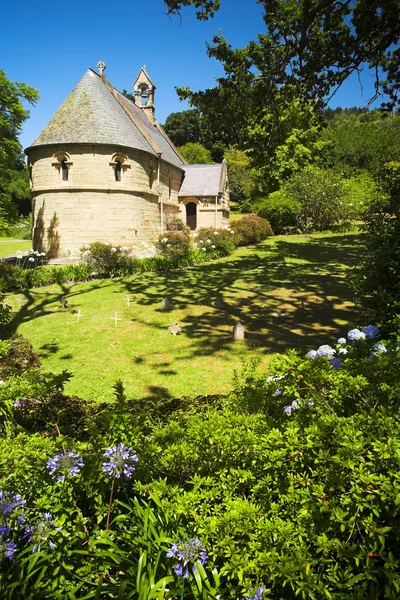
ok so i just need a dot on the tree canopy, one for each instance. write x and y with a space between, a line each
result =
183 127
313 45
14 186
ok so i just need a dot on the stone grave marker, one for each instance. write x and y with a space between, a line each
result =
63 302
238 332
175 329
166 304
219 302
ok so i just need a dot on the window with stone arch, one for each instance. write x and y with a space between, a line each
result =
62 163
119 164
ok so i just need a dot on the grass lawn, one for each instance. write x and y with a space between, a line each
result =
263 286
8 246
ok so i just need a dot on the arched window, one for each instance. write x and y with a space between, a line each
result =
119 164
144 94
62 163
117 170
64 170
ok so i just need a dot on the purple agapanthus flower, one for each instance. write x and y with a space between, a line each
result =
62 465
288 409
9 502
325 350
312 354
355 334
255 594
120 461
19 403
7 548
336 363
187 552
371 331
341 341
5 530
40 532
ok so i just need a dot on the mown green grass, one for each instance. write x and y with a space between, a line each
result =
258 283
10 246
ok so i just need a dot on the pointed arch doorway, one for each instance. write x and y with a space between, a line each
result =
191 215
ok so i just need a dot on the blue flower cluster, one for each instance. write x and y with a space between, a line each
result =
63 464
41 531
120 461
187 552
255 594
354 335
11 517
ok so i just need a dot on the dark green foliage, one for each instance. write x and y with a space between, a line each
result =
280 210
16 356
363 142
377 281
183 127
251 230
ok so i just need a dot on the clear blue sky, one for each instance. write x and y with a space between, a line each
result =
50 44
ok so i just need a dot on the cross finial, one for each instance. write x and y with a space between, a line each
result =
101 67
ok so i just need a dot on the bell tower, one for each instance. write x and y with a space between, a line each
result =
144 90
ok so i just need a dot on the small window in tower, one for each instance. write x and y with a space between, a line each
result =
64 170
169 187
118 171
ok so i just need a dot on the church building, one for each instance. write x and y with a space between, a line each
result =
104 170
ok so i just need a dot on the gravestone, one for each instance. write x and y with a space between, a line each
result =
64 302
238 332
166 304
175 329
219 302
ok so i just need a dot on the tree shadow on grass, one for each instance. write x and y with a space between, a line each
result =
285 293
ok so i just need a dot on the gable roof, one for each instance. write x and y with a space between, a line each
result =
96 113
203 180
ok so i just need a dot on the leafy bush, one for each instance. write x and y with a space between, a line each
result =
21 230
105 258
358 193
174 246
377 281
5 312
175 223
319 193
216 242
251 230
280 210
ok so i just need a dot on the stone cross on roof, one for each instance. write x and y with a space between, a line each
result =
101 66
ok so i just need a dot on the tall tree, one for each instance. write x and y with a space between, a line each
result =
271 98
183 127
14 187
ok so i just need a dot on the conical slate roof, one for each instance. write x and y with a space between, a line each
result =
91 114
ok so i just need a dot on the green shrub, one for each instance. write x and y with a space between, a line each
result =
358 193
174 246
175 223
319 193
251 230
280 210
215 242
21 230
377 280
105 258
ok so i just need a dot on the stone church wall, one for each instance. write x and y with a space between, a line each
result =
92 205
